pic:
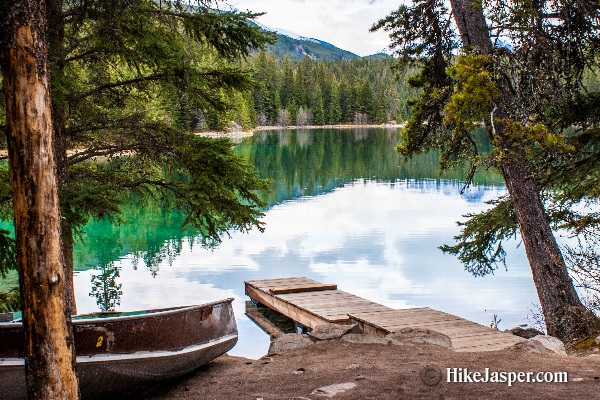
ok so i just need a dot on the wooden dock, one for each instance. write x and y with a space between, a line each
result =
309 302
312 303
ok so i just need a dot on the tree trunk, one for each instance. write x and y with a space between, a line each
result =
49 349
564 314
56 53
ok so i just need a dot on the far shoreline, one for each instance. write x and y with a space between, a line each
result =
243 134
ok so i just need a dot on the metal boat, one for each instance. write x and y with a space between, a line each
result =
129 352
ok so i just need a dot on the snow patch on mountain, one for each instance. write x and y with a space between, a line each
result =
295 35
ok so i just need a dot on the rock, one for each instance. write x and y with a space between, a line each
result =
551 343
529 346
332 390
365 339
418 335
525 333
289 342
330 331
234 127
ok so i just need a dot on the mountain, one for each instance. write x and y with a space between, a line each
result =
296 47
377 56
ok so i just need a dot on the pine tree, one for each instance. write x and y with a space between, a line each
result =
125 78
316 105
514 92
335 110
48 334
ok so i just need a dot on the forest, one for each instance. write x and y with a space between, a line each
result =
311 92
102 102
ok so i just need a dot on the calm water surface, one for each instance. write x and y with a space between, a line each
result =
343 209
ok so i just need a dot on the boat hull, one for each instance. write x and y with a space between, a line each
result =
121 355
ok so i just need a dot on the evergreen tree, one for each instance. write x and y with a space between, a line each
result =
125 78
516 93
48 345
316 105
335 110
287 94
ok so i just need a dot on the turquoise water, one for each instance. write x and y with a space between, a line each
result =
343 209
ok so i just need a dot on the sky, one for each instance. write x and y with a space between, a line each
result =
343 23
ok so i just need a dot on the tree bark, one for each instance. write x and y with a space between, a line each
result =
49 349
56 53
564 314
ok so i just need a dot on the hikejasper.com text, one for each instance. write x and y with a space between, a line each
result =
463 375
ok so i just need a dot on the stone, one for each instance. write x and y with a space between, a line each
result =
551 343
527 333
421 336
299 371
290 341
331 331
358 338
332 390
529 346
234 127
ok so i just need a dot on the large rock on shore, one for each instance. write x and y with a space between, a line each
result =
551 343
529 346
358 338
289 342
331 331
526 333
423 336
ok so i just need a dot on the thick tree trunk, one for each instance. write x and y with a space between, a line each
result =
564 314
49 349
56 53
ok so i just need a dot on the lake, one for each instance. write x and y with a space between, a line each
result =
344 208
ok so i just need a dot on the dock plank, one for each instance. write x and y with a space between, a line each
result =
302 288
312 303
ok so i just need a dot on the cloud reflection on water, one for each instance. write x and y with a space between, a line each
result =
376 240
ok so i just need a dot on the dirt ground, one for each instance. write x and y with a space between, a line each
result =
378 371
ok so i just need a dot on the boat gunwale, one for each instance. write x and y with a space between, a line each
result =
165 311
140 355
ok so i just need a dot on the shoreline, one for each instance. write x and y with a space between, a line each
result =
345 369
243 134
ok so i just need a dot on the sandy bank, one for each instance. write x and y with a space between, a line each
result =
377 371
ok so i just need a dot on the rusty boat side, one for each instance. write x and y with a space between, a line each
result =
122 353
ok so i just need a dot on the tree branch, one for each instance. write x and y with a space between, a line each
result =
81 96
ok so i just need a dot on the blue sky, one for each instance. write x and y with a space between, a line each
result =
343 23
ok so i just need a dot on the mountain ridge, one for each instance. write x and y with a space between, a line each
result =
296 47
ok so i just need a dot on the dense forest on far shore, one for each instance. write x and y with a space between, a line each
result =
308 92
288 92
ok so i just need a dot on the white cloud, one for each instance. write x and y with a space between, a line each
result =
343 23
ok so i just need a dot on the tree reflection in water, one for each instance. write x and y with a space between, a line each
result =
105 288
